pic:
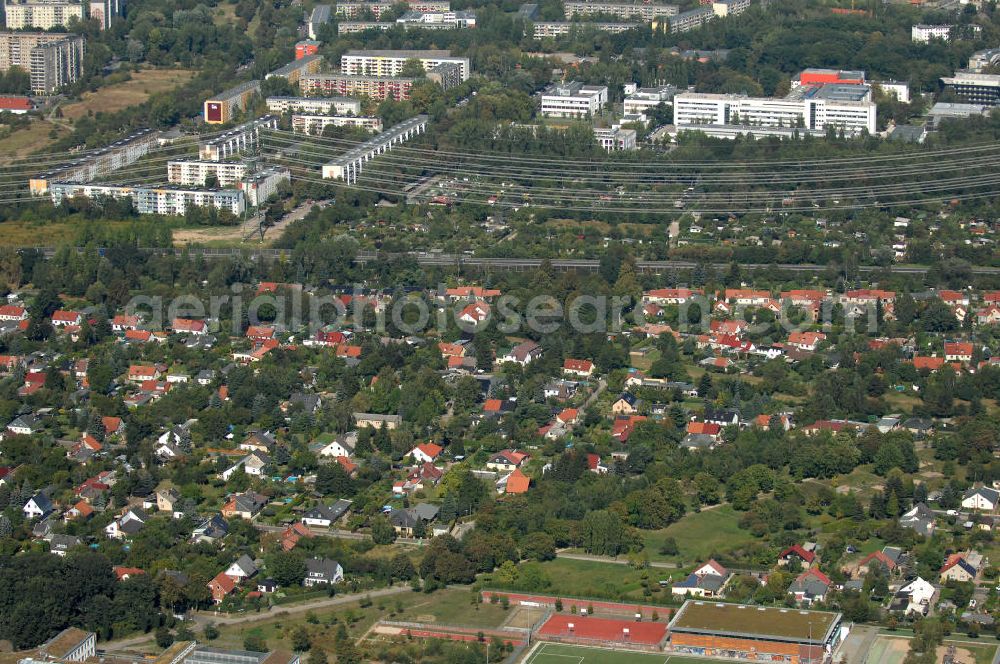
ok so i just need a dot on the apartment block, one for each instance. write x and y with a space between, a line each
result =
723 8
691 19
321 15
354 27
348 166
315 105
171 199
303 123
197 172
352 10
105 11
306 47
260 186
41 14
99 163
542 29
615 138
922 33
374 87
573 100
975 88
391 63
53 60
296 69
236 140
644 11
223 107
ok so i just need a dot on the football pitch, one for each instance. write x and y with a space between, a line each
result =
559 653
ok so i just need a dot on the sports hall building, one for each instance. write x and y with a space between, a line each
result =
763 634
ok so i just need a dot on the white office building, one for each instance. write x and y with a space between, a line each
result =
615 138
441 20
922 33
574 100
643 99
320 105
814 110
980 60
898 89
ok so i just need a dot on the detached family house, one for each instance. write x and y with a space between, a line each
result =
962 568
809 587
426 452
919 518
322 571
706 581
797 556
983 499
913 598
324 516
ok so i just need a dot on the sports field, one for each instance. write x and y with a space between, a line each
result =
558 653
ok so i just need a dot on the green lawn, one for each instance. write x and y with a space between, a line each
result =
445 607
559 653
699 535
584 578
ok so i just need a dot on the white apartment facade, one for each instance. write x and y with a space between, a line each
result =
172 200
647 12
317 105
574 100
922 33
303 123
260 186
41 15
195 173
723 8
391 63
542 29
